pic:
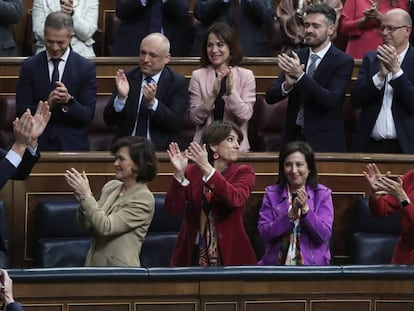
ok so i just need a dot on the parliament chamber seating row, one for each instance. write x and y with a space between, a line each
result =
61 242
265 126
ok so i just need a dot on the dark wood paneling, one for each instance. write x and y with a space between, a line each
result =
304 292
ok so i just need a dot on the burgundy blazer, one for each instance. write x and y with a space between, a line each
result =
231 190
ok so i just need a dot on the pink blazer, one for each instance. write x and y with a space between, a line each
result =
238 107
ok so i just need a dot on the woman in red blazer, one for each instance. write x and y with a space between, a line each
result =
213 190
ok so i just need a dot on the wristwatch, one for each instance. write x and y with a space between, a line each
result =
405 202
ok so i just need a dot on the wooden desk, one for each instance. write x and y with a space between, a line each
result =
341 172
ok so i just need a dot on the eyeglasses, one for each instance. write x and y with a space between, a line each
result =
391 29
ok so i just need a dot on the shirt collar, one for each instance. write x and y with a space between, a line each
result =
63 58
155 77
322 52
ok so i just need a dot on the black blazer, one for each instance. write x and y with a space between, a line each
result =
166 121
322 97
9 171
135 21
368 98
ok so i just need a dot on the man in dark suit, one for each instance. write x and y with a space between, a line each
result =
17 162
384 91
251 20
66 80
151 100
142 17
10 13
315 80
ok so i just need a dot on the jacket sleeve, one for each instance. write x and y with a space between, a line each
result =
128 9
11 11
242 99
206 11
319 220
133 214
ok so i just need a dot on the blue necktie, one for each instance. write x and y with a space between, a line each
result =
143 115
156 16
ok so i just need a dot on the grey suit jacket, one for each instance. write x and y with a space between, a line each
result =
118 224
10 13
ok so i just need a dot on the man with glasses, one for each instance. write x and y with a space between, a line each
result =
150 100
384 90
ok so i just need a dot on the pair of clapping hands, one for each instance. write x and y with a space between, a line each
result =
382 184
28 128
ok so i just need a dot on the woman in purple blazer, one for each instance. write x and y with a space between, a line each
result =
297 213
221 90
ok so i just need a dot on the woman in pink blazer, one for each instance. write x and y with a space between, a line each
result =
221 90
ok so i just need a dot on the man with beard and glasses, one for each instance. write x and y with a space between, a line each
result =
384 90
315 80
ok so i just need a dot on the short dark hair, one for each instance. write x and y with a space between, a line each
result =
142 153
217 132
324 9
223 32
59 20
306 150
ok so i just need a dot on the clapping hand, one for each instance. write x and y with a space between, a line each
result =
178 159
300 202
373 176
122 83
79 183
198 154
40 118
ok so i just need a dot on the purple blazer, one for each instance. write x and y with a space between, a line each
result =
316 227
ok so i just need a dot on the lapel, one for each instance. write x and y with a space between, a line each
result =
408 59
325 64
114 200
66 75
163 84
135 91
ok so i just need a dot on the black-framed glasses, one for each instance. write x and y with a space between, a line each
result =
391 29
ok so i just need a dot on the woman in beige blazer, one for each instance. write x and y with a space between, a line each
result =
119 221
221 90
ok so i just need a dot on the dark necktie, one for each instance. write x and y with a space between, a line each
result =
156 16
218 112
143 114
300 119
235 15
55 72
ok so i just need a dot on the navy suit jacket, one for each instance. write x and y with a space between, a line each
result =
322 98
14 306
166 121
135 22
368 98
255 18
69 128
8 171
